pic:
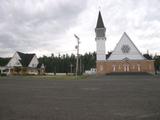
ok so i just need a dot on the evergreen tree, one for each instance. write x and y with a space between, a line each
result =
65 63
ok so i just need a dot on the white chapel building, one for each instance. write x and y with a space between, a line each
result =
23 63
125 57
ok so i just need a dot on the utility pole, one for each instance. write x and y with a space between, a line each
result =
80 66
77 47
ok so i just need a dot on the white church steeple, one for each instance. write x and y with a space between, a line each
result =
100 39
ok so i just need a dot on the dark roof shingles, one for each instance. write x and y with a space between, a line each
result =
148 57
108 55
100 21
25 58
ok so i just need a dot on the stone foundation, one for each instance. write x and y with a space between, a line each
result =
113 66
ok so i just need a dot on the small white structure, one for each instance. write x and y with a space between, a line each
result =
92 71
2 69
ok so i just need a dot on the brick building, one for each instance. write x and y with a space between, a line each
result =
125 57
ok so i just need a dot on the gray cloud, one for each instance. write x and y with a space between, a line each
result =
44 26
27 25
140 19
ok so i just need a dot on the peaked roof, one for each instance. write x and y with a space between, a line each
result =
126 49
25 58
100 21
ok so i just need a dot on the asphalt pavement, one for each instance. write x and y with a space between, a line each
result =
112 97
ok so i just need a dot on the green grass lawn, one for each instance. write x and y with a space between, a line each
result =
57 77
61 77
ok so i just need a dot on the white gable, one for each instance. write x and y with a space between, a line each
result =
34 62
125 49
14 61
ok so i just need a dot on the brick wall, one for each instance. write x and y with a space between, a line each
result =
109 66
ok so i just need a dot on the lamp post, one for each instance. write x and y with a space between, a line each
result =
77 47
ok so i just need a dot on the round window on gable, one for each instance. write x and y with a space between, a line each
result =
125 48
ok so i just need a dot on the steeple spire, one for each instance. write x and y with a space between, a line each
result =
100 31
100 21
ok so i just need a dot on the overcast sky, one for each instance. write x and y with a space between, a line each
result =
48 26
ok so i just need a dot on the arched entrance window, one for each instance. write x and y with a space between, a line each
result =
114 68
139 67
101 67
126 68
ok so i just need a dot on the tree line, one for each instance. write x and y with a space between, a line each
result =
67 63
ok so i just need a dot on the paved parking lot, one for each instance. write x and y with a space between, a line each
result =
113 97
